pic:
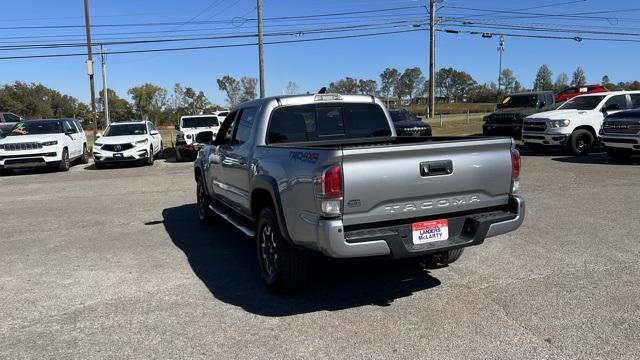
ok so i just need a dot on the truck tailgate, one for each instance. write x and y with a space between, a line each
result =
425 179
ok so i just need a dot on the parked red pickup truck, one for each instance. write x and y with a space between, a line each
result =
574 91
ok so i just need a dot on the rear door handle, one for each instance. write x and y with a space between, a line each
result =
436 168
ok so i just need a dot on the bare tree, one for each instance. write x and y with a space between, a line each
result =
292 88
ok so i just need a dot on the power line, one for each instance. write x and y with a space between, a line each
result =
213 46
314 16
299 32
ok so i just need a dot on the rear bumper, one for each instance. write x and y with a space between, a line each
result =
396 240
544 139
512 130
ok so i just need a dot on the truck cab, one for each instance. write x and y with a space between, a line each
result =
507 120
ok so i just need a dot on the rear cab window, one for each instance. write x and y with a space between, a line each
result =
327 121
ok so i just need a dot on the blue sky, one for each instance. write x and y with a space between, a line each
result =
310 65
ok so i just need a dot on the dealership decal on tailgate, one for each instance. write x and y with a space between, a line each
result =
430 231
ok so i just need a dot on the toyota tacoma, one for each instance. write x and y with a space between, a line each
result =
326 173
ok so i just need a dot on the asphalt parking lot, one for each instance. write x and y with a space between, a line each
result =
114 264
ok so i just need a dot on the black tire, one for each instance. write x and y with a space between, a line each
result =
580 142
205 214
161 152
100 165
179 156
84 159
6 172
151 157
619 154
64 164
282 267
454 255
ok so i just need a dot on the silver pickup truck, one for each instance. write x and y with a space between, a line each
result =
327 173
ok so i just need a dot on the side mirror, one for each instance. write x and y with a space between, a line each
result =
542 104
98 135
611 107
154 133
205 137
69 132
177 127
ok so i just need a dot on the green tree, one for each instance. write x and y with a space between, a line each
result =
578 77
368 87
562 82
232 88
409 82
149 100
248 85
543 79
119 109
452 84
344 86
389 81
508 80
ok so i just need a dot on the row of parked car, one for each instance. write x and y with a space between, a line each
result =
610 119
57 143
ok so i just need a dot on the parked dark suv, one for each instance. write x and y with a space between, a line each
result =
507 120
408 124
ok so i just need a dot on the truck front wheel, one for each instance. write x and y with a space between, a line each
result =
580 142
283 267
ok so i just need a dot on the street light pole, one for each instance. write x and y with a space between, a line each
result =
500 50
432 58
90 69
260 47
105 95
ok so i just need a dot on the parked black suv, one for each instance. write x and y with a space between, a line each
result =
507 120
408 124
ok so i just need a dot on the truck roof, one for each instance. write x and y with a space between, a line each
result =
532 93
312 98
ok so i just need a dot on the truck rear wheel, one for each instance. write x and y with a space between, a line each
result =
282 267
619 154
205 214
580 142
454 255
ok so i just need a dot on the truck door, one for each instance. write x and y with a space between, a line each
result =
235 160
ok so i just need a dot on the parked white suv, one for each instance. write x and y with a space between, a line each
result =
131 141
575 124
189 127
53 143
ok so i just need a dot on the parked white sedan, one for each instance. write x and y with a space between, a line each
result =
132 141
52 143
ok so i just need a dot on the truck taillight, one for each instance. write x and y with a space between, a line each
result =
329 191
515 171
332 183
515 164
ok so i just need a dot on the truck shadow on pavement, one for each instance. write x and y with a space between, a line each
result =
597 159
225 261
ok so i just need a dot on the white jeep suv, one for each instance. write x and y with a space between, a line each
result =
131 141
575 124
53 143
189 127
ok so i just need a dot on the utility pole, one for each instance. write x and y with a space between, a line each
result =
90 68
500 50
260 48
432 58
105 95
